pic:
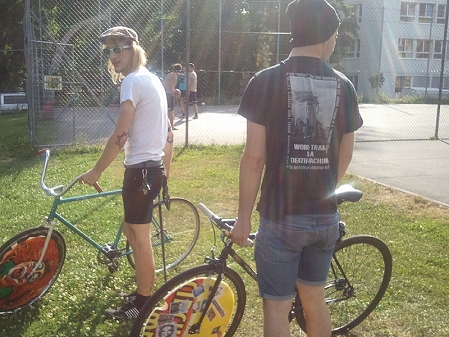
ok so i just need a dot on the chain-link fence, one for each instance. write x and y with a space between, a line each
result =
390 52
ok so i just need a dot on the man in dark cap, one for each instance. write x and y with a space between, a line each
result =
143 130
301 118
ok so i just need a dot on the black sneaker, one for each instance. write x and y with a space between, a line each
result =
128 296
196 117
128 311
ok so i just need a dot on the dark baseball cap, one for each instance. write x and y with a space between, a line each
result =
120 32
311 22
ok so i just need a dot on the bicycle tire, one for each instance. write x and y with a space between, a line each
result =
220 318
367 264
23 251
181 225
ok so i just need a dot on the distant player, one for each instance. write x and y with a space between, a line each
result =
170 82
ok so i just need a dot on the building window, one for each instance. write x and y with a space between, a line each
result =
408 11
425 13
438 50
420 81
352 49
405 48
441 14
356 11
402 82
422 49
435 83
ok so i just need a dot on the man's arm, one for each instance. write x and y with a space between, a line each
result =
346 150
168 151
115 143
250 175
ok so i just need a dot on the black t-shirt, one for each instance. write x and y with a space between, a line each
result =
306 108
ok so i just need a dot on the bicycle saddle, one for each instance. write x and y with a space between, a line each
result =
347 193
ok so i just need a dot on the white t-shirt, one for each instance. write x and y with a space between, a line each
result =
193 75
148 130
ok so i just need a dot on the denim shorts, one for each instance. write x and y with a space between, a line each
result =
299 249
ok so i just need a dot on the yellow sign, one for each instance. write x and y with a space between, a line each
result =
53 82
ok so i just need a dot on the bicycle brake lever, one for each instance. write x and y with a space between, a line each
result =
98 188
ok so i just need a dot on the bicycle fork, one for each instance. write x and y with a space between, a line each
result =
195 328
51 224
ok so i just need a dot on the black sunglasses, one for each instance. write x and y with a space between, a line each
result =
115 50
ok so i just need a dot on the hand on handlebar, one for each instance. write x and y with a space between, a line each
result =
240 233
91 178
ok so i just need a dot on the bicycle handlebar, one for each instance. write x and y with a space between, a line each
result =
343 193
222 223
59 190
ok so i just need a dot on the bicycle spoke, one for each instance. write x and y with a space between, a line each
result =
181 305
24 279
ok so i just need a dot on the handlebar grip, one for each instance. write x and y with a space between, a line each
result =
222 223
98 188
41 152
206 210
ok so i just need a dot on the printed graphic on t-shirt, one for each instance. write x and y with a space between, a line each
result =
312 106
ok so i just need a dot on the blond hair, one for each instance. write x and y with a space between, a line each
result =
139 58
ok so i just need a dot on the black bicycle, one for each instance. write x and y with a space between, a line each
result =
209 300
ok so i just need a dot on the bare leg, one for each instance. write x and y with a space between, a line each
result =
275 320
171 117
140 240
181 104
315 310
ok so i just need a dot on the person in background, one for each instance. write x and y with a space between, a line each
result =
193 87
301 118
170 82
182 86
143 130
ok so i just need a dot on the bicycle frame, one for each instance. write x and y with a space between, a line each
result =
346 193
227 250
220 264
109 250
55 215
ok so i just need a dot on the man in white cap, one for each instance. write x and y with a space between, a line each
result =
143 130
301 117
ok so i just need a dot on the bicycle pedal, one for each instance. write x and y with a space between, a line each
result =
110 251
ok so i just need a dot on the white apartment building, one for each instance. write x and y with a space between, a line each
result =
401 41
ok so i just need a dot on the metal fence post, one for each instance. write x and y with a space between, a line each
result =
437 125
187 69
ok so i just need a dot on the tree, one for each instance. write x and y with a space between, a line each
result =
12 60
346 33
377 81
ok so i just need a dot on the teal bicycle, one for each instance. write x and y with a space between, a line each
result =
31 261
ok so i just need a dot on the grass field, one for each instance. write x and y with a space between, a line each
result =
416 231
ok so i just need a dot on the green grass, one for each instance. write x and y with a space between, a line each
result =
416 231
14 137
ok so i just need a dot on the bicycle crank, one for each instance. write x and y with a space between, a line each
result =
108 255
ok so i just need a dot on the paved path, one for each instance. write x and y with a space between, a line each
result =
416 166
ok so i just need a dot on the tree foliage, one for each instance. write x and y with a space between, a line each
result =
12 61
248 32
